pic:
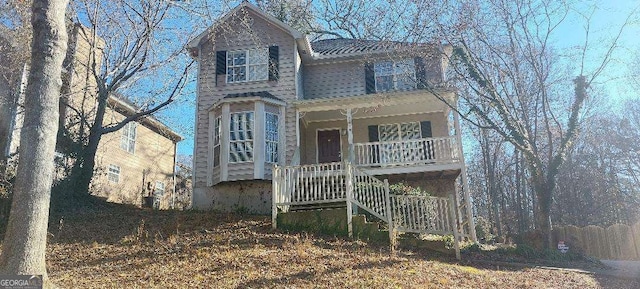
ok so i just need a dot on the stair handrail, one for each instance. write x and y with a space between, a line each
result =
370 193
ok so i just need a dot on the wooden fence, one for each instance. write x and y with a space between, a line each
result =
616 242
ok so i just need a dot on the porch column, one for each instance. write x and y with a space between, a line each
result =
350 135
297 127
210 147
295 159
282 136
258 141
465 183
225 123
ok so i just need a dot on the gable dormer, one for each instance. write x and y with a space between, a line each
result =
247 51
249 69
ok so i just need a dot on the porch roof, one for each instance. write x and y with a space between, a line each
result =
382 104
415 97
264 96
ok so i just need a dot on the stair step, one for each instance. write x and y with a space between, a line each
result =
335 205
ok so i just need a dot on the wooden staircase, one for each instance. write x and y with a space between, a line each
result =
342 186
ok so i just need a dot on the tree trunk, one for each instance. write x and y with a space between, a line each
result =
83 169
23 250
544 190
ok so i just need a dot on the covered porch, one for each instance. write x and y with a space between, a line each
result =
382 134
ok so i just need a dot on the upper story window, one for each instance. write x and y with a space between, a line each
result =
395 75
113 175
128 138
247 65
271 138
241 137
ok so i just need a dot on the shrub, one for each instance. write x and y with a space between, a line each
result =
404 189
483 230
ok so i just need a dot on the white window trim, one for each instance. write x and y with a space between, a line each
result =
247 65
395 74
401 133
267 154
128 138
113 170
159 187
253 134
389 152
217 140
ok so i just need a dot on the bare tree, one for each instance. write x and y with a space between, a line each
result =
509 80
15 37
23 249
135 49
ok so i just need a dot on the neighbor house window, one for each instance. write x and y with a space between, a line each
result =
159 190
113 175
128 138
247 65
241 137
395 75
216 141
271 138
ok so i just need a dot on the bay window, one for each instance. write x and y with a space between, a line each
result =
241 137
245 140
271 138
216 141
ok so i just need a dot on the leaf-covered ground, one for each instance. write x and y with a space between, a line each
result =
130 248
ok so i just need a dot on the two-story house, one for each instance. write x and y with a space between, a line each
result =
135 162
268 97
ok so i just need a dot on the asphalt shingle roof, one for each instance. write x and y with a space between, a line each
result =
339 46
262 94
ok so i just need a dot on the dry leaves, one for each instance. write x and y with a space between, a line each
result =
132 248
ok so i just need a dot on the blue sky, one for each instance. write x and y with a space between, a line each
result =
605 22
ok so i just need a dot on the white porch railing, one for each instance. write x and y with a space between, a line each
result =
370 193
308 184
337 182
421 214
419 151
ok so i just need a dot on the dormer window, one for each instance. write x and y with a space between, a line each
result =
395 75
247 65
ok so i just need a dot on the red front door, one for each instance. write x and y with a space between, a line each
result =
328 146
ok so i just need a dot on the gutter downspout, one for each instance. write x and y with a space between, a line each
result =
14 108
175 157
195 133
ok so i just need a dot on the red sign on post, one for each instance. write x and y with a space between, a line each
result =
562 247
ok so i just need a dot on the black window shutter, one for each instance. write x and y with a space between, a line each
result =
369 78
421 73
425 129
221 62
274 65
373 133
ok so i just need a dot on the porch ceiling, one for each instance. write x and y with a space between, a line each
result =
370 106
